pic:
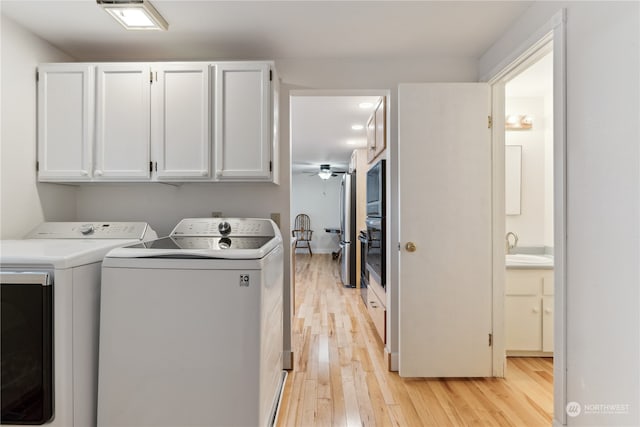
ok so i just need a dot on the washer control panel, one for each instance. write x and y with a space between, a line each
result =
223 227
89 230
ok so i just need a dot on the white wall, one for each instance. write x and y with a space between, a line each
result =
320 199
531 225
603 201
24 203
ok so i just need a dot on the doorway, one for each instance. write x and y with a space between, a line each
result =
515 209
326 128
328 134
529 208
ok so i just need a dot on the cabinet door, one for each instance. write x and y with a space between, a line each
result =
371 138
242 122
123 122
180 120
523 323
547 323
381 133
65 117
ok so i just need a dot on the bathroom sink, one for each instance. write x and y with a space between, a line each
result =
528 259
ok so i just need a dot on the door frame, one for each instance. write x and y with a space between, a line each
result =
553 32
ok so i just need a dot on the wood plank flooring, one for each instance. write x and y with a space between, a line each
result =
340 375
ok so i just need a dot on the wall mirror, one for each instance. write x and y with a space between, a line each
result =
513 178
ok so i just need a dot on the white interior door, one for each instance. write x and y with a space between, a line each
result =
445 292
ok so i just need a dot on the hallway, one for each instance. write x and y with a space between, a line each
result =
341 377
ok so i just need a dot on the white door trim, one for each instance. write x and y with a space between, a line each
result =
554 30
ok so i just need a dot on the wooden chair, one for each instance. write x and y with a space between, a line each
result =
302 232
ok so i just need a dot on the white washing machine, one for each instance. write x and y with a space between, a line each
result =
49 292
191 327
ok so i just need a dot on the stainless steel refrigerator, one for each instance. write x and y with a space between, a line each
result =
348 239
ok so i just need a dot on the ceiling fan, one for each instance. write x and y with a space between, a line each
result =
326 172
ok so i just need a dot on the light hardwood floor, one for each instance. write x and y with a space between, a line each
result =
340 375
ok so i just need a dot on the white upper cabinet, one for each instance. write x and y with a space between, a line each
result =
243 121
65 105
180 121
122 122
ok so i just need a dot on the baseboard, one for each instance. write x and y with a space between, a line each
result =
287 360
393 360
518 353
303 251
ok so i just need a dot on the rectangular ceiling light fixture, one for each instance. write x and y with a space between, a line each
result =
135 14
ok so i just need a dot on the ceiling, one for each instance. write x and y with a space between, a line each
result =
321 130
254 30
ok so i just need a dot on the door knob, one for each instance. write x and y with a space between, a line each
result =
410 247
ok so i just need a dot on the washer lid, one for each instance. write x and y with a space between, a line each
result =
200 247
222 238
210 243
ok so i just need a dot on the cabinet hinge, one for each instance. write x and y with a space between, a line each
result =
150 167
490 340
37 166
270 75
37 76
489 122
156 166
150 76
270 166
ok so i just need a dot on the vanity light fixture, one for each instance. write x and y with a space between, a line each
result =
518 122
135 14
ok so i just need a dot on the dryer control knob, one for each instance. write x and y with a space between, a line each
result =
86 229
224 228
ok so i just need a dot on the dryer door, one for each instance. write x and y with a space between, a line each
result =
26 347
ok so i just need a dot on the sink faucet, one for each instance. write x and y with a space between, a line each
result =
509 246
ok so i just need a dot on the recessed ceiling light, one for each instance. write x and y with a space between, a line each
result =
357 142
365 105
135 14
357 127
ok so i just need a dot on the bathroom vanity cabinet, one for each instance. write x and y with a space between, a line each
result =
529 312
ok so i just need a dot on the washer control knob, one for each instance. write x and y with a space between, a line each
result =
224 228
224 243
87 229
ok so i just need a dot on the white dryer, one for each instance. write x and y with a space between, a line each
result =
49 292
191 327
